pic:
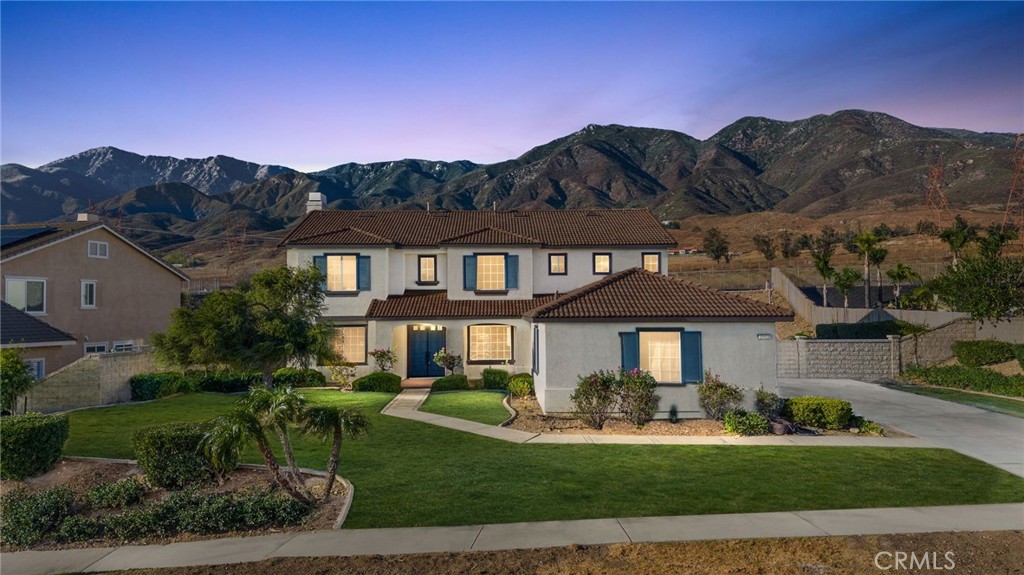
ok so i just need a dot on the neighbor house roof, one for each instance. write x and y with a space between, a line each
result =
18 328
636 294
17 240
550 228
434 304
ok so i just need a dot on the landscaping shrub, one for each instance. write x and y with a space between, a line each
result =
637 400
520 385
147 386
768 404
972 378
77 528
594 398
821 412
744 423
31 444
268 507
718 398
866 426
453 382
869 330
226 381
1018 352
983 352
291 377
136 523
380 381
116 494
495 378
171 455
29 518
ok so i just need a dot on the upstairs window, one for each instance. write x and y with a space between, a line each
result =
127 345
36 367
88 294
344 273
652 262
96 347
602 264
427 270
557 264
27 294
98 249
490 273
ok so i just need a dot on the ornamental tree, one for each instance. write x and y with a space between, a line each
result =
15 377
987 288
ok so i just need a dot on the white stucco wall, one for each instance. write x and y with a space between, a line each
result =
580 267
730 349
408 261
350 305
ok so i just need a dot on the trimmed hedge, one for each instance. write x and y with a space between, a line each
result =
983 352
149 386
870 330
379 381
31 444
453 382
972 378
744 423
171 455
116 494
495 378
520 385
291 377
821 412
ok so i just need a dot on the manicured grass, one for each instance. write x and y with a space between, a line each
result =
409 473
478 406
1008 406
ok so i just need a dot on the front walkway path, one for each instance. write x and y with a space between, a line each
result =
347 542
407 404
994 438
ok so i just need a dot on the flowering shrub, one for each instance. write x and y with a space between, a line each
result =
595 398
384 358
447 360
718 398
637 400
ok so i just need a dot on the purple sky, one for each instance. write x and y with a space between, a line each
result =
314 85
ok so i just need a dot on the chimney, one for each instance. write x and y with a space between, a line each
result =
315 202
88 218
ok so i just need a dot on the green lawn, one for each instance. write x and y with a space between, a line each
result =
1009 406
479 406
409 473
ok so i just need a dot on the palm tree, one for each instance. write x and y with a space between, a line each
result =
900 275
821 253
866 242
958 236
276 409
844 280
334 423
876 256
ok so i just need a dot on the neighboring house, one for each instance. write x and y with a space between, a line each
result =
88 281
40 343
557 293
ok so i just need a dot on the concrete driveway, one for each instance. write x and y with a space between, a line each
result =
991 437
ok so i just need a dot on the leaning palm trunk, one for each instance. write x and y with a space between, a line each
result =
878 277
289 453
332 464
275 471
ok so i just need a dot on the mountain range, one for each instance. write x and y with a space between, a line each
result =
825 164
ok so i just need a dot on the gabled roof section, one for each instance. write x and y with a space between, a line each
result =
548 228
434 304
19 329
60 231
637 294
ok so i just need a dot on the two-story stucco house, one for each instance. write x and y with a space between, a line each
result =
554 293
86 280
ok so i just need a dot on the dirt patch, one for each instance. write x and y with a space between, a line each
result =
80 475
985 553
1011 367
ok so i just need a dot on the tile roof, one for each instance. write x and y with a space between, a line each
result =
434 304
19 328
554 228
639 294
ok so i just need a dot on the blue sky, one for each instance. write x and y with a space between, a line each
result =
312 85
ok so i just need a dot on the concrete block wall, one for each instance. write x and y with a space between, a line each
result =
935 346
863 359
98 379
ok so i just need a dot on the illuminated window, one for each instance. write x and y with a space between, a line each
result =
652 262
490 273
428 269
660 355
349 342
490 343
341 273
556 264
28 295
602 264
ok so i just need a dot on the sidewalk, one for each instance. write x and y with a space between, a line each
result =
522 536
406 405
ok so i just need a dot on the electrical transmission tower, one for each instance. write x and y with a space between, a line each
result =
1014 214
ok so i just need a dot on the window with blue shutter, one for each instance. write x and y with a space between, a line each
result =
630 342
693 366
469 273
363 273
536 351
511 272
320 262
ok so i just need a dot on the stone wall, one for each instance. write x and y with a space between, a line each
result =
862 359
96 379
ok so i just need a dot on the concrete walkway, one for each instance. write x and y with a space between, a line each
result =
406 405
521 536
994 438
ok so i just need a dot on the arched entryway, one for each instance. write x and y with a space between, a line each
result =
425 340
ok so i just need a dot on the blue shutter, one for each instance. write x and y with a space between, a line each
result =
511 272
320 262
536 351
469 273
363 273
630 341
693 366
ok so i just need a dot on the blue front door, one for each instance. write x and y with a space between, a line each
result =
423 344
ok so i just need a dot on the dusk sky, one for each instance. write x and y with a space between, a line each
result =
313 85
